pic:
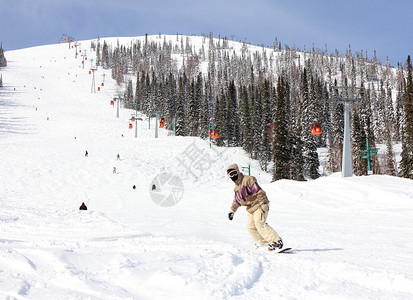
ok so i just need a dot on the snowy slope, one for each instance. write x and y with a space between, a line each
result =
352 236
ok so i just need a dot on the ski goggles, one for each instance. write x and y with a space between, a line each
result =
232 173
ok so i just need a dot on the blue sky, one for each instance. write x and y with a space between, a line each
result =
384 26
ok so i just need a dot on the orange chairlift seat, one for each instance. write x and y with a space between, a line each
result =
316 129
213 133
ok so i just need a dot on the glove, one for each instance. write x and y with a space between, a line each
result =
231 215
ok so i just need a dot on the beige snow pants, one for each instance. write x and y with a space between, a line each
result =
259 229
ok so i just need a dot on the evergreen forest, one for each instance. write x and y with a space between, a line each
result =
267 99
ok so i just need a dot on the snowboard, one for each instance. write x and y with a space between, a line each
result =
285 250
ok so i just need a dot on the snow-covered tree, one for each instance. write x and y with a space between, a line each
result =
281 148
308 116
3 61
266 140
406 163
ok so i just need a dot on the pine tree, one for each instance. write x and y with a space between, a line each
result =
297 163
380 113
308 115
105 56
366 115
192 111
204 119
145 88
246 123
171 96
180 109
138 93
200 98
281 144
256 130
390 120
406 163
390 128
326 118
358 143
399 103
399 112
231 118
3 61
336 148
389 158
98 56
153 108
265 154
219 118
129 99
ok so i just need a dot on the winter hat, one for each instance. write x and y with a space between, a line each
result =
232 167
233 172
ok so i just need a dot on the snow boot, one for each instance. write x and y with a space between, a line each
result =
275 245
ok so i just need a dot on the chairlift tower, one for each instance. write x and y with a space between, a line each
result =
70 39
84 55
135 118
63 38
347 96
156 126
93 88
76 45
118 100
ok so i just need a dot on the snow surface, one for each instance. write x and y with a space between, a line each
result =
352 237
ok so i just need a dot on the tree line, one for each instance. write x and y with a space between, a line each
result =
3 63
265 100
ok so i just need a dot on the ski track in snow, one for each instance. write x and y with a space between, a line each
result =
351 236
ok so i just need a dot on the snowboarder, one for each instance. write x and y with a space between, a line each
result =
86 154
248 193
83 206
114 170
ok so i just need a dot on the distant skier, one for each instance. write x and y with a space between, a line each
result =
86 154
114 170
118 157
134 187
248 193
83 206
